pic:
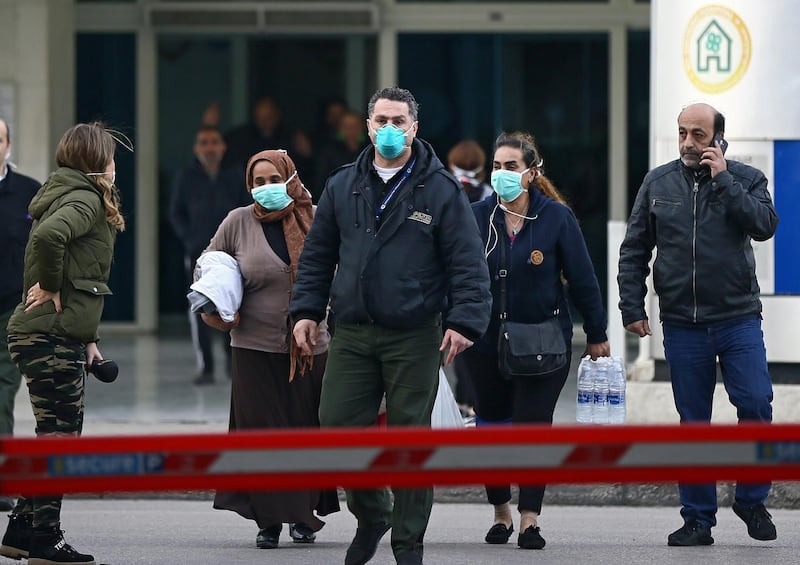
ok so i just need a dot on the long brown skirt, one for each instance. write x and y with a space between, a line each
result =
263 398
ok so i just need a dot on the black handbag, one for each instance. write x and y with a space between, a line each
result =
528 350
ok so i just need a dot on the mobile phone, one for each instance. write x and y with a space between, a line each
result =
723 145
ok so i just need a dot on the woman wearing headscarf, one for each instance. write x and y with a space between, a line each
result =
273 384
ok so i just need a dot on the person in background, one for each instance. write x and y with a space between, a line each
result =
467 162
702 211
53 333
528 222
274 385
344 149
268 130
16 192
390 240
202 194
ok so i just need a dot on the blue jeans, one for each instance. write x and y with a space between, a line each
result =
691 352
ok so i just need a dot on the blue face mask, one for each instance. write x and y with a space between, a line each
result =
390 140
273 196
508 184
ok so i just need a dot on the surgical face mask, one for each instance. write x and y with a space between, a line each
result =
273 196
508 184
112 173
390 140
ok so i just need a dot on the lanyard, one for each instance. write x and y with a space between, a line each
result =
382 207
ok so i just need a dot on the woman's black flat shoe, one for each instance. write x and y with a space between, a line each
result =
499 533
531 538
267 538
302 533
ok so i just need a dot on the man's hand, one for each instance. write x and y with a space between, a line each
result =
713 158
456 342
37 296
640 328
218 323
305 334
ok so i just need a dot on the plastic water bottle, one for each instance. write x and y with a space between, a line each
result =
583 412
616 392
600 399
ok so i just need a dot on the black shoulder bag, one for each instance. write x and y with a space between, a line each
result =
528 350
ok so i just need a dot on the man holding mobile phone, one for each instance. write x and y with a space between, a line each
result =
702 211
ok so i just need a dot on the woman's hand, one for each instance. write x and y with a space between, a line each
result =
37 296
218 323
595 350
92 354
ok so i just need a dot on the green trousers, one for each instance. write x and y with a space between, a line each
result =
364 362
10 379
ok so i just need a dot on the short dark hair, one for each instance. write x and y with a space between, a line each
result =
719 122
396 94
208 128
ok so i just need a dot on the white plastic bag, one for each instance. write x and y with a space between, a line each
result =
445 410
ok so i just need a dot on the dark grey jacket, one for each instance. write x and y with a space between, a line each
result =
427 246
704 269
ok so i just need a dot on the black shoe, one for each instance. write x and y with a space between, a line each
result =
531 538
409 558
301 533
758 520
364 544
204 378
6 503
267 538
691 533
17 539
49 548
499 533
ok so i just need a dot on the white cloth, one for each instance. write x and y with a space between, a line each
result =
219 279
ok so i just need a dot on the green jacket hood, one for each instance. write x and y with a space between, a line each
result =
60 182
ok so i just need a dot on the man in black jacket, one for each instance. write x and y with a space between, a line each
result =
702 211
16 192
202 195
393 236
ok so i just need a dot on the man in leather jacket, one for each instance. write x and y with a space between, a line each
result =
702 211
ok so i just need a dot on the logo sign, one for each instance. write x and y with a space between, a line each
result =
716 49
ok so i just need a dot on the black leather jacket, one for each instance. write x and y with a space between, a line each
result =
704 269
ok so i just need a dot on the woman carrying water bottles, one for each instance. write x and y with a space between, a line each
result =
546 259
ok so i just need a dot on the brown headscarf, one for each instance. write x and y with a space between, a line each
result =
296 219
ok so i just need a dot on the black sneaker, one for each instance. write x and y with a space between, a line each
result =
531 538
364 544
268 537
408 558
17 539
691 533
301 533
49 548
758 520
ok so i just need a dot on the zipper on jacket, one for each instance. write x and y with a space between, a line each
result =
694 251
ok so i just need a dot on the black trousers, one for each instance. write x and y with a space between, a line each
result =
522 401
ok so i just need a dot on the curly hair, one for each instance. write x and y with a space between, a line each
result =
526 143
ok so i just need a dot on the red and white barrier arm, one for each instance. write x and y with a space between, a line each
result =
402 457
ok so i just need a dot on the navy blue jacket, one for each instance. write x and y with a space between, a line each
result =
400 273
16 192
543 250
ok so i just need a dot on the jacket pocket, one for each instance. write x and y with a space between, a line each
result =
96 288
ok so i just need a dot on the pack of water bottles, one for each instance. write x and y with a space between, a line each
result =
601 391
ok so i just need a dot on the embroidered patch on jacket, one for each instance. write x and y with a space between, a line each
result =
421 217
537 257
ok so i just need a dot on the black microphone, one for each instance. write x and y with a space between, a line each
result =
105 370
